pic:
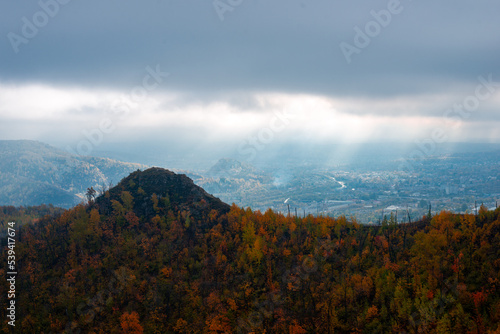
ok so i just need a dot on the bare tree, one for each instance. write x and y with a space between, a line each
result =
91 193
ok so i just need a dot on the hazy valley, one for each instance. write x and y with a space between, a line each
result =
368 188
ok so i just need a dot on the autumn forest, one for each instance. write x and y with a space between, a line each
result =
157 254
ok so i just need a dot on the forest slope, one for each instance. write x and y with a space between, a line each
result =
156 254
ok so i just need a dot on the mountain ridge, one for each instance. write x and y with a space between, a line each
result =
35 173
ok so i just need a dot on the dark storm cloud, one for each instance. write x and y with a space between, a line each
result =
286 46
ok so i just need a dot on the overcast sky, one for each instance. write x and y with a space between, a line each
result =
333 71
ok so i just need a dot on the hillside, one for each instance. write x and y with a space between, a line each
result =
22 215
232 180
230 168
157 254
306 188
33 173
157 187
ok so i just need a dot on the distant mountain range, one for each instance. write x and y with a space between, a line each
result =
34 173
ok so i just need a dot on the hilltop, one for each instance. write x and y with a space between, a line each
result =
170 191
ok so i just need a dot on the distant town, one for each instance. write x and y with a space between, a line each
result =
456 182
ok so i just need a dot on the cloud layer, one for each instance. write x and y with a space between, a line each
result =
67 64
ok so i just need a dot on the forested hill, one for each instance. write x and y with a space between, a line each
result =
157 190
156 254
34 173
